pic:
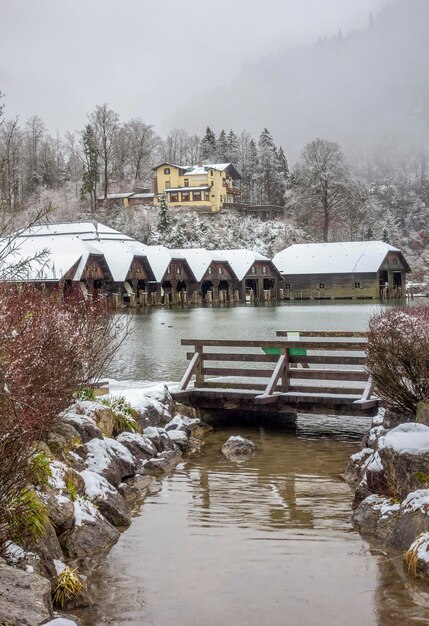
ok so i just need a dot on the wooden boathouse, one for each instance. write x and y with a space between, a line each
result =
348 270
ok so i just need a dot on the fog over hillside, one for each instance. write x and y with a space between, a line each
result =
359 88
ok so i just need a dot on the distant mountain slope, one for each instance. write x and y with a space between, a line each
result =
356 89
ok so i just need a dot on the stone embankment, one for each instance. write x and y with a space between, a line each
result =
95 481
390 476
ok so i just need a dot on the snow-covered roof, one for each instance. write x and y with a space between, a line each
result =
241 260
198 260
326 258
79 229
58 261
116 196
159 259
142 195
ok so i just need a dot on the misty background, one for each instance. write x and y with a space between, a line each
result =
96 94
246 64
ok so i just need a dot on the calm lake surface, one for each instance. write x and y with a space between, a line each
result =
267 541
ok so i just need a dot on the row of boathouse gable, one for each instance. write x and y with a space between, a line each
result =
94 259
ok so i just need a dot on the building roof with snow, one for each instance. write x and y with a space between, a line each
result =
241 260
345 257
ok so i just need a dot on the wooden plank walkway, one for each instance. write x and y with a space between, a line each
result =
310 371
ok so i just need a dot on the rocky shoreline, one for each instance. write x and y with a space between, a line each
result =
95 482
390 479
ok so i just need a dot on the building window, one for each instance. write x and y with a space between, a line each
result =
264 269
167 184
358 285
210 269
320 286
219 270
178 270
288 286
186 182
168 269
166 170
253 269
186 196
220 198
174 196
206 196
196 196
211 174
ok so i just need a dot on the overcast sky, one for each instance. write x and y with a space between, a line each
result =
59 58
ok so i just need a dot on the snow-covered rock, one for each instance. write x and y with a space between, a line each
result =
25 598
107 499
140 446
238 447
164 463
109 458
91 537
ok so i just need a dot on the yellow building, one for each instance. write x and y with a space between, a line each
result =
195 186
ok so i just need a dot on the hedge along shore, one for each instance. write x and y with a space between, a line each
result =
390 478
97 476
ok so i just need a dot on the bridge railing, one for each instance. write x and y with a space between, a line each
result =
313 364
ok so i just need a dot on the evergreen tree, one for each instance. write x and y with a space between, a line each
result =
222 147
208 146
233 148
385 236
271 177
164 217
90 165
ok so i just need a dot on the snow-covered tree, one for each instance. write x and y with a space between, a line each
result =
208 147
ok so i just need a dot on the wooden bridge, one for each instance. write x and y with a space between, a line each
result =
305 372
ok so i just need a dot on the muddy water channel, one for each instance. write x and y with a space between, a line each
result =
266 541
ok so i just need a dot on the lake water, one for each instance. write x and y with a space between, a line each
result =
267 541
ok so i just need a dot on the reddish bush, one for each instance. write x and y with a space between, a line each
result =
398 357
47 349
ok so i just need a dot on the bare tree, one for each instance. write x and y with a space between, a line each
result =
105 123
321 184
141 142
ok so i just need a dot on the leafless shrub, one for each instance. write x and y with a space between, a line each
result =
398 358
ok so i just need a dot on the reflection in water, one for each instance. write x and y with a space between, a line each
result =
153 351
267 541
263 541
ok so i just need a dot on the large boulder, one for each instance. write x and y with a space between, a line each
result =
404 453
102 415
159 408
85 426
25 598
376 515
109 458
163 464
60 509
140 446
91 537
412 521
238 448
159 438
107 499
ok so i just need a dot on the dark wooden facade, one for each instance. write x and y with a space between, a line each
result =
387 282
261 282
